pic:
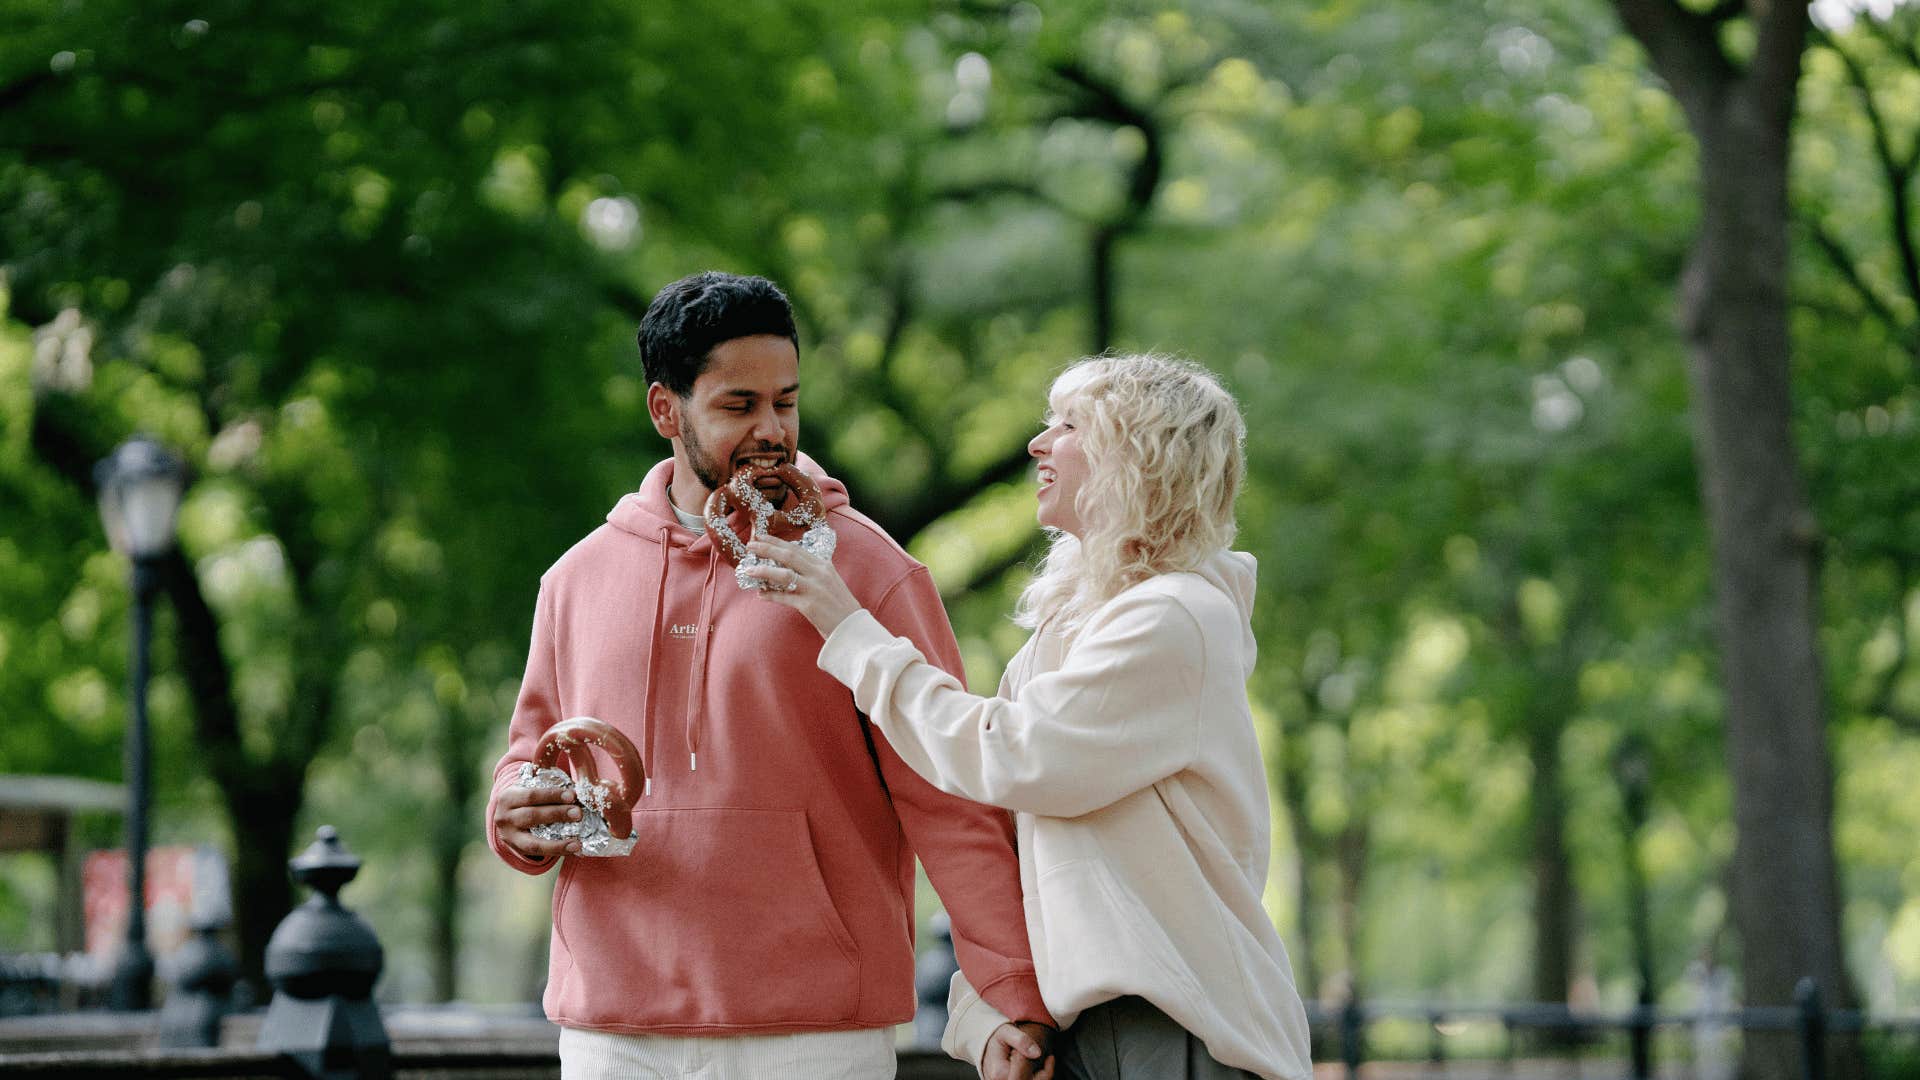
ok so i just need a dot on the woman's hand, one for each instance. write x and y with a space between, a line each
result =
1018 1051
804 582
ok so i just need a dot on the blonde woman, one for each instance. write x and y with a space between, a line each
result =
1120 739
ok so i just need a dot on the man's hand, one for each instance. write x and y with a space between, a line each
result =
1017 1051
519 809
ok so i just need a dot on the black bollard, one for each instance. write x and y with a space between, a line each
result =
323 961
932 974
202 992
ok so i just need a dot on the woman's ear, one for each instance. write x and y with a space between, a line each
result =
663 408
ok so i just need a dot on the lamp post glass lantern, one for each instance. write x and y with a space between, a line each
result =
140 488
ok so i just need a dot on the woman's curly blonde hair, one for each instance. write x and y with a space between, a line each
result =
1163 442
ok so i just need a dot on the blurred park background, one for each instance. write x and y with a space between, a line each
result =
1586 532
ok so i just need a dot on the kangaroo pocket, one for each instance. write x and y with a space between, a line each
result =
720 918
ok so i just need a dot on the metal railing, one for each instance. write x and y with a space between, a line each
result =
1345 1025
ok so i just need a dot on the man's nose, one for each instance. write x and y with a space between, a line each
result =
766 426
1037 445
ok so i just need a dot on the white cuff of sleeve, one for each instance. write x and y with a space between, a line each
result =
970 1022
846 650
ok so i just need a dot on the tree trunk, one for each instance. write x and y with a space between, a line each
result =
1100 286
1733 309
1352 846
459 752
1553 888
1289 778
446 922
1786 897
263 816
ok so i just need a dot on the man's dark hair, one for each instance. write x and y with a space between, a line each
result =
691 316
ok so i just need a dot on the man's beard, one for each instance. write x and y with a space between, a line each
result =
703 467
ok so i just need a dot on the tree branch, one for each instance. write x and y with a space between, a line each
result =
1849 269
994 570
1684 48
1897 173
15 93
1098 98
1902 47
625 299
1881 701
935 503
1725 11
988 189
216 720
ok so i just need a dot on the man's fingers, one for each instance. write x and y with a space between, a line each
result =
1046 1071
514 797
1022 1043
533 847
528 816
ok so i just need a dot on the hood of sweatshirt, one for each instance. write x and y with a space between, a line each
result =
648 515
1235 573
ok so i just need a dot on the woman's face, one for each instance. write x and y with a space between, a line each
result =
1062 472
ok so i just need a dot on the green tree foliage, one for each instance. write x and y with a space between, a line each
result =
375 271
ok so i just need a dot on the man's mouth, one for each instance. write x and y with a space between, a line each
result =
767 461
1046 477
769 483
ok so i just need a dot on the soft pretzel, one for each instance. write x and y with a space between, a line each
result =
804 519
576 739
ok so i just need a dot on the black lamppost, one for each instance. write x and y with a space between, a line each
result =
140 487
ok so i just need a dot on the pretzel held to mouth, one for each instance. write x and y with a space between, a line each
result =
805 517
612 800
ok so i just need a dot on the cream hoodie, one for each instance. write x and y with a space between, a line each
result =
1129 759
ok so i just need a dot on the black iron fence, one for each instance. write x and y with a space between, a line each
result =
1506 1034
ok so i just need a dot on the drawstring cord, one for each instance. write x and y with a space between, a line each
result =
653 657
697 678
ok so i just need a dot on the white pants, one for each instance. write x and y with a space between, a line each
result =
815 1055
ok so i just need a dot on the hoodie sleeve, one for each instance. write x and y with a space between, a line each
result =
1121 713
537 709
967 848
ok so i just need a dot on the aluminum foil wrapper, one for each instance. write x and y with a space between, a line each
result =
591 830
819 540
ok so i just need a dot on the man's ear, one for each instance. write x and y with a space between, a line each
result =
663 407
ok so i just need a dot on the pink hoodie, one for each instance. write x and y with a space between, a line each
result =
772 889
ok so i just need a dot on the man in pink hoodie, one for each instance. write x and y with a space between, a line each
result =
763 926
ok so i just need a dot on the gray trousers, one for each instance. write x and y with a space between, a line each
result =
1128 1039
